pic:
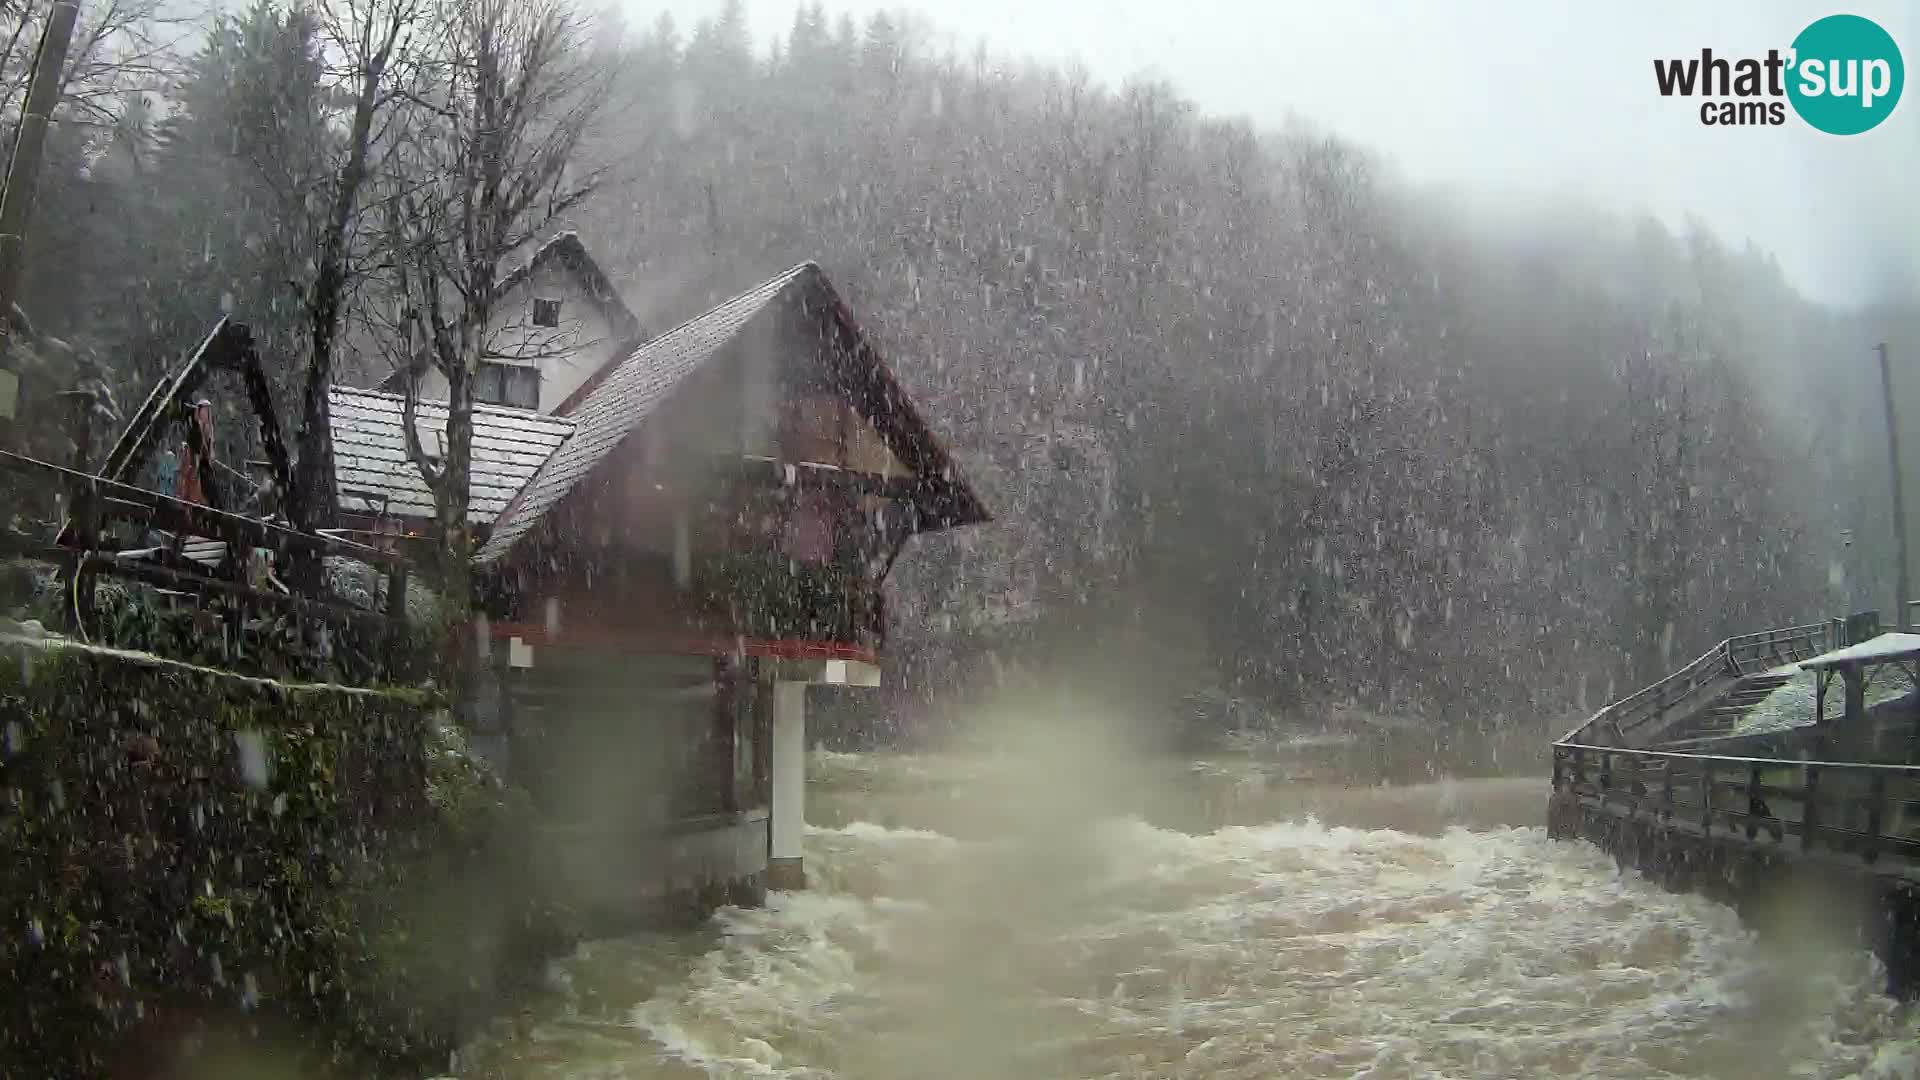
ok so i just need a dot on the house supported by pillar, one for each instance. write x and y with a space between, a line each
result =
786 683
695 535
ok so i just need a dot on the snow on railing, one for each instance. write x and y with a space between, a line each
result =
1858 808
1682 691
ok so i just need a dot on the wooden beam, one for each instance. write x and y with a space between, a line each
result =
228 347
876 395
84 514
828 672
159 409
690 643
775 473
168 577
243 358
128 503
144 429
396 605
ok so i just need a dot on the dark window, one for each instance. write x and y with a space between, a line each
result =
511 385
546 312
487 383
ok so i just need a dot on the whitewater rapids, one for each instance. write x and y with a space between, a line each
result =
1107 947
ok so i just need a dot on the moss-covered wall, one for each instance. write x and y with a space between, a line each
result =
198 863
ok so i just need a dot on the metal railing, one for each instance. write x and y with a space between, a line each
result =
1748 654
1856 808
1688 688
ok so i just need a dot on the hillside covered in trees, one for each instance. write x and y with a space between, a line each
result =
1315 434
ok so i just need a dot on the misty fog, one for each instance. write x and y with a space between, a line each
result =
1336 376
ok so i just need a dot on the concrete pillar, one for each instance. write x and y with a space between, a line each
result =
789 811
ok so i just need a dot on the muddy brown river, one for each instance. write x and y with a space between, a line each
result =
1019 916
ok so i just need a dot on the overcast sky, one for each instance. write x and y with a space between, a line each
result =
1503 98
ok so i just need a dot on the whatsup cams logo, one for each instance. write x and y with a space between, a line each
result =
1842 75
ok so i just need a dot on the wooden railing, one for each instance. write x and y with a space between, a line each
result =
1695 684
1749 654
1855 808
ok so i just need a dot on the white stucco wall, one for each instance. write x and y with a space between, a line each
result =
566 355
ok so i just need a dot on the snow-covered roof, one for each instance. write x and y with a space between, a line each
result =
373 475
1880 650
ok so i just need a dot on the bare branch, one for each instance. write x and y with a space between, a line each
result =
415 360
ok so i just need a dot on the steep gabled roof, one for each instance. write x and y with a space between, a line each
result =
620 397
623 394
373 475
566 252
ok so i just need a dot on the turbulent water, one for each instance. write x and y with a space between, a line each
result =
973 936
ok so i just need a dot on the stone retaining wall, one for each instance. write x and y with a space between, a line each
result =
204 864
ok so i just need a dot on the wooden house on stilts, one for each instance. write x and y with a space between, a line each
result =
677 535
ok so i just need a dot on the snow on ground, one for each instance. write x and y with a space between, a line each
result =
1792 705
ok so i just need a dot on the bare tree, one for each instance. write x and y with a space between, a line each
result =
372 39
120 49
488 165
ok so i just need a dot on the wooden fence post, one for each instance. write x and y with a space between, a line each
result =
83 499
396 614
1809 810
1707 780
1876 795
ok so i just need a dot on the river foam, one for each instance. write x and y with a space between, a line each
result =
1121 950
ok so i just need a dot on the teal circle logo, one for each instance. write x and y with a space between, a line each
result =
1846 75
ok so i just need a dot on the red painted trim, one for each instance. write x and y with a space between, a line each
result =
683 644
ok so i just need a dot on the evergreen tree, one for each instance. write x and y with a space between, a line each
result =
236 167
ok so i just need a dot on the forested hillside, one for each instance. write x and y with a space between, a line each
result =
1317 434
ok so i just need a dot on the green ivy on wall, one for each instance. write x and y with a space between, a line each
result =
189 849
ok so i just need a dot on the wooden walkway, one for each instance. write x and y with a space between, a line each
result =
1649 758
1865 813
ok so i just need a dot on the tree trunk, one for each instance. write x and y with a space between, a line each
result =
309 505
456 545
16 197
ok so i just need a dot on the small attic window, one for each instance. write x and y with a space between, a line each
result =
546 311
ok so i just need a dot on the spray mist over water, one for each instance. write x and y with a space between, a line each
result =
1045 930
